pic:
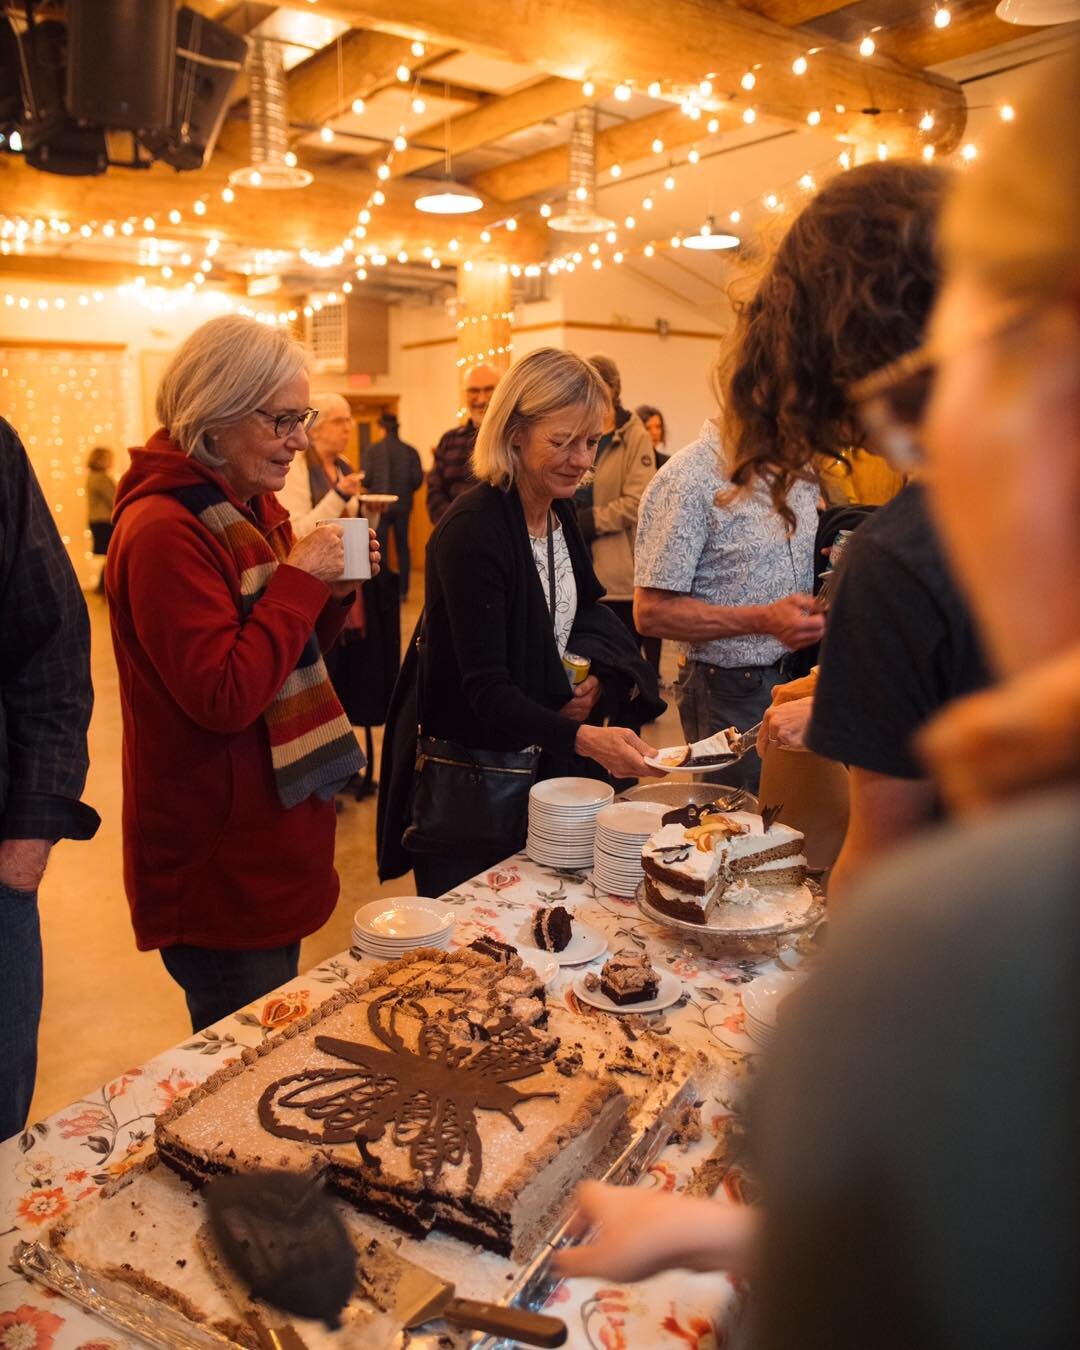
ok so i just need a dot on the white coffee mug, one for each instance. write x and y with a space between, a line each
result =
356 536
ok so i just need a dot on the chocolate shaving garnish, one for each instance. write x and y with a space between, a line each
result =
428 1097
676 854
691 813
770 815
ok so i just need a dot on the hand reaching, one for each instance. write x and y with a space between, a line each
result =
584 700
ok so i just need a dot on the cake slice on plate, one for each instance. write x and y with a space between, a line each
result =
629 978
552 928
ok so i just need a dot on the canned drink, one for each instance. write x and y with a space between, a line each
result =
576 667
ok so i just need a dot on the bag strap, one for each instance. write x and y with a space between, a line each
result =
551 570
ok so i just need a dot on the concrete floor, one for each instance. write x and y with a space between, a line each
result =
109 1007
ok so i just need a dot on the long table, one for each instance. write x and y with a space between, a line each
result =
65 1161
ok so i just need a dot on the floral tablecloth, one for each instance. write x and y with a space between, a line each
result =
64 1161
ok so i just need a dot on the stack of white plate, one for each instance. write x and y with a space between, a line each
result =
621 831
761 1002
562 820
387 929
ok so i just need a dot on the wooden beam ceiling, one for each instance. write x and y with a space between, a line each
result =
622 144
100 272
974 28
502 117
318 216
679 44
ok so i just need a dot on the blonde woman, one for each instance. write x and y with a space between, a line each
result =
508 576
234 741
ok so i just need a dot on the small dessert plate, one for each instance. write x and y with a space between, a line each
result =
406 916
714 752
586 944
668 993
544 963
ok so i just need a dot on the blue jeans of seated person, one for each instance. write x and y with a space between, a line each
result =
713 697
20 1005
216 982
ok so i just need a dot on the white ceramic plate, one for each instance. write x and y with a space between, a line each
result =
586 944
580 793
379 500
762 998
707 767
403 916
630 818
668 993
543 963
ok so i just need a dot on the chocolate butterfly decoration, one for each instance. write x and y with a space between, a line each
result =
770 815
428 1098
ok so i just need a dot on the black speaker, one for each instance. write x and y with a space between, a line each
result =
208 59
121 55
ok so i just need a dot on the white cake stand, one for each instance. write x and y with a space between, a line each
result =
723 937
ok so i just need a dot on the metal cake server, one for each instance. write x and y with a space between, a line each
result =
422 1296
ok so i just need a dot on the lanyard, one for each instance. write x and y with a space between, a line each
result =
551 570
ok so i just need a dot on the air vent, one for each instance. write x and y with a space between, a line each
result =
325 336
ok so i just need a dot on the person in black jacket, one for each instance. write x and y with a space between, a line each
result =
45 702
498 617
393 466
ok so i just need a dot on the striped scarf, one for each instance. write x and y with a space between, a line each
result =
312 745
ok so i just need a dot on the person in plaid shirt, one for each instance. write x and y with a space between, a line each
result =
45 702
451 473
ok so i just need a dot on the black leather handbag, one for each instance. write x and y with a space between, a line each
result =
470 801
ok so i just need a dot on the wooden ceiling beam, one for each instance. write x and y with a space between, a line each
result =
326 84
318 216
101 272
974 28
622 144
499 118
679 44
791 13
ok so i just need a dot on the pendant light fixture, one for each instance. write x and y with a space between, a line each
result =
581 215
269 115
711 240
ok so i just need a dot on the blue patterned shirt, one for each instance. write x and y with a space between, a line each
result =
740 554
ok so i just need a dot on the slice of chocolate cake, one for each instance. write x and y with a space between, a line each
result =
552 929
489 946
629 978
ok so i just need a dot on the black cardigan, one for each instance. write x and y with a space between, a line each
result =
492 678
491 675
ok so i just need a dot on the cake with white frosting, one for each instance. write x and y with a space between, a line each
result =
701 859
427 1095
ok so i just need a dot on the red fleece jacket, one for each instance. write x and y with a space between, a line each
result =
211 857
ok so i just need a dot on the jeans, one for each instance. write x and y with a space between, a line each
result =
437 873
712 697
20 1005
216 982
400 527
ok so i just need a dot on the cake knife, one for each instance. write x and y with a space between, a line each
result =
422 1296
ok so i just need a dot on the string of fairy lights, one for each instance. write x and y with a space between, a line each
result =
171 268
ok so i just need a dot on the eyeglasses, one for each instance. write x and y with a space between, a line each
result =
285 423
893 401
480 389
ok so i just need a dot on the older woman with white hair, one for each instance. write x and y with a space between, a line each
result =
321 483
234 742
508 579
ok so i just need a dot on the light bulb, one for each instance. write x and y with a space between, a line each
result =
748 80
735 217
649 250
807 182
611 236
630 222
594 248
150 224
403 73
383 172
199 208
616 170
928 153
174 216
705 88
800 65
658 146
676 242
622 93
378 197
419 107
485 236
926 122
749 116
647 203
713 126
545 210
588 88
358 106
417 49
942 18
693 157
400 143
867 46
326 135
969 152
1007 112
655 89
617 257
813 117
290 159
228 195
581 194
511 224
845 159
669 183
